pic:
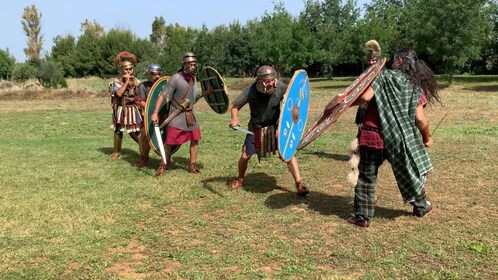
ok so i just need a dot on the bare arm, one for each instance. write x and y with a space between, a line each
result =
365 97
154 118
423 125
234 112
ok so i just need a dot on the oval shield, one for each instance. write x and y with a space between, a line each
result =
163 114
218 100
293 114
344 100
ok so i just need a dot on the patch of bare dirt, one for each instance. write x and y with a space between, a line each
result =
126 261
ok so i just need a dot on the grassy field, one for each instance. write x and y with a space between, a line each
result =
67 211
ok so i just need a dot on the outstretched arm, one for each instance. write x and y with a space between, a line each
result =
423 125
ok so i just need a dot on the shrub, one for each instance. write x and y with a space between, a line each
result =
51 75
23 72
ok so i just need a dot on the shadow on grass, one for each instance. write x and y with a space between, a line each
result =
128 155
492 88
326 204
339 157
132 157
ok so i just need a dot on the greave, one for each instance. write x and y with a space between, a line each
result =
118 141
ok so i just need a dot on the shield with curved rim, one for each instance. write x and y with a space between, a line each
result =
150 105
218 100
343 101
293 114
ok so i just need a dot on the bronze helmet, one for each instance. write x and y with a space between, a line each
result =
189 57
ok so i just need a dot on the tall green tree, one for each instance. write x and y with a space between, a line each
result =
92 27
7 62
382 22
158 31
451 33
178 40
240 59
87 56
281 41
333 24
31 24
63 53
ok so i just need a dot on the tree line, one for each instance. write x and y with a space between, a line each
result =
326 39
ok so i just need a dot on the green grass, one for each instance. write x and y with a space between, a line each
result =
67 211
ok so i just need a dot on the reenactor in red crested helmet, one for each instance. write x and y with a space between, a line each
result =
126 113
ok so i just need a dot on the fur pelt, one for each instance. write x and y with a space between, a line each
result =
354 162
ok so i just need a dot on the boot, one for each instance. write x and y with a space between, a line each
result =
118 142
302 190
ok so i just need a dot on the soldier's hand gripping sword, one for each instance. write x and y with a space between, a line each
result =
238 128
160 142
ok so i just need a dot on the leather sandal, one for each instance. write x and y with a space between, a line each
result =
193 168
302 190
238 183
162 168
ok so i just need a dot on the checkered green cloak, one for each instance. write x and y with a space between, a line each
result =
397 101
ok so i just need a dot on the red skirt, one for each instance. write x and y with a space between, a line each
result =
175 136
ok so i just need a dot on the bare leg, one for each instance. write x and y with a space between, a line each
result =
242 168
302 190
194 148
294 169
167 149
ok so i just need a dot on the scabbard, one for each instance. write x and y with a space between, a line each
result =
177 111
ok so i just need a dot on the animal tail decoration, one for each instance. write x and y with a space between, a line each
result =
354 162
124 55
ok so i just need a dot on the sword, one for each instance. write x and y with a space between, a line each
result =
160 142
183 105
238 128
434 131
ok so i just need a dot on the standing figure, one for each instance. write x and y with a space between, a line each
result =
181 94
264 97
153 74
373 54
389 132
126 114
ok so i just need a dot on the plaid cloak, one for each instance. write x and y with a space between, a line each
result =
396 102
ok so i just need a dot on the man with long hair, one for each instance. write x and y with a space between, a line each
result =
389 132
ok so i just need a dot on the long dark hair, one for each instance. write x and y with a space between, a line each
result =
419 73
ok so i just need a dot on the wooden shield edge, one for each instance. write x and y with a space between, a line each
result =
218 101
280 125
325 121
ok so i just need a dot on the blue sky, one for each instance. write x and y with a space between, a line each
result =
65 17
